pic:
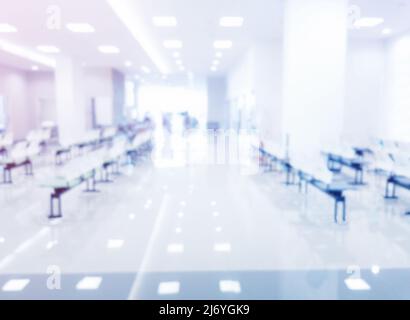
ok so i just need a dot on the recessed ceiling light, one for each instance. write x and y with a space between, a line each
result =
375 269
80 27
7 28
176 54
115 243
168 288
175 248
231 22
222 247
215 62
173 44
357 284
128 63
48 49
179 62
34 68
15 285
89 283
182 68
165 21
218 54
368 22
2 240
108 49
229 286
223 44
387 31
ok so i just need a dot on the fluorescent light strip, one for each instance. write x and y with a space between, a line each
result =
134 23
7 28
165 21
231 22
108 49
387 31
26 54
80 27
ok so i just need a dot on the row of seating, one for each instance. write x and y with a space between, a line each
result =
85 168
303 172
347 157
91 140
21 154
389 158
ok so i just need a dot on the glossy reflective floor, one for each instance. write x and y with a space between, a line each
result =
186 224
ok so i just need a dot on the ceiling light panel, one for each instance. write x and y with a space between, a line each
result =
80 27
231 22
165 21
223 44
108 49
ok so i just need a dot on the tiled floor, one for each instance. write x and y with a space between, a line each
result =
177 226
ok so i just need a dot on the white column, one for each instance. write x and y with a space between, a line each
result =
315 41
70 100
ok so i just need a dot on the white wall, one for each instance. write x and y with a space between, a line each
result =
397 102
363 115
98 85
41 98
218 108
13 86
254 89
315 44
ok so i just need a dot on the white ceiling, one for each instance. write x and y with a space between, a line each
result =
197 27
